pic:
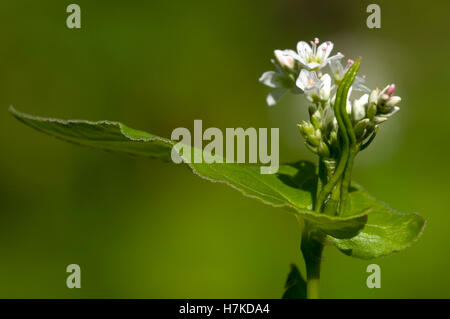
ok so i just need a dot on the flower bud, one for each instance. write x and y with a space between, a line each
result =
371 110
384 98
380 119
373 99
306 129
384 91
360 127
314 139
323 150
285 60
393 101
316 119
390 90
359 107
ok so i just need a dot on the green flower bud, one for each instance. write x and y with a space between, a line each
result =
371 110
323 150
361 127
384 98
306 129
311 148
316 119
314 139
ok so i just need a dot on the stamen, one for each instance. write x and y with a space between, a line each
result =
314 46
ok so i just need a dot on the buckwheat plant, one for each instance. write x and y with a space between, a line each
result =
337 130
330 208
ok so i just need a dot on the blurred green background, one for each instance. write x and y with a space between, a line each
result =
144 229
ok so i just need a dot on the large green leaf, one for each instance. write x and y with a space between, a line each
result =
292 187
386 232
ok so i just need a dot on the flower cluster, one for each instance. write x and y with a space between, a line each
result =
301 72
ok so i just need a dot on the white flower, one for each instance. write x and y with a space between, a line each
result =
326 88
313 87
282 80
278 82
313 57
336 67
339 71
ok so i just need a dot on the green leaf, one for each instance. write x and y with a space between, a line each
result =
295 285
386 232
292 187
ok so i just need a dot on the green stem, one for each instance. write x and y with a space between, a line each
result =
346 133
353 147
312 253
332 206
326 189
347 179
311 245
320 181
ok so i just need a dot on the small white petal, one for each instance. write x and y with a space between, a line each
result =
373 99
313 65
324 50
349 105
336 68
333 99
304 51
359 107
326 88
393 101
266 78
385 89
302 81
274 96
271 79
380 119
358 85
335 57
394 110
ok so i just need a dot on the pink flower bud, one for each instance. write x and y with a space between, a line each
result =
391 89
